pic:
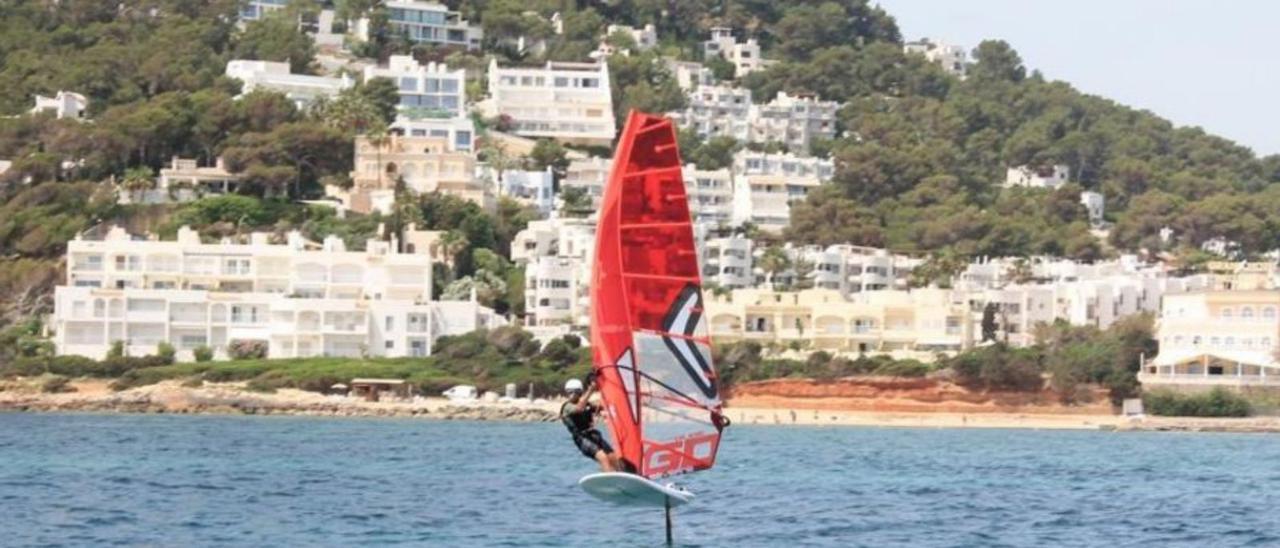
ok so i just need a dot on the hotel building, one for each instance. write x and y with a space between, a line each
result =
299 298
1216 338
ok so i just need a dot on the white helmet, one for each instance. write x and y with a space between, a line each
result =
573 385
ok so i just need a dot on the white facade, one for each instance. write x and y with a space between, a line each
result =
794 121
726 261
64 104
710 194
717 110
1095 204
745 56
645 38
533 188
852 269
557 255
302 89
1050 177
727 111
459 132
568 102
426 23
1216 338
953 59
590 174
690 75
298 298
765 186
426 91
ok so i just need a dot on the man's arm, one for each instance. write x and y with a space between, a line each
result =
586 397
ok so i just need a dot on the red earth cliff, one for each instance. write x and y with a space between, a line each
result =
903 395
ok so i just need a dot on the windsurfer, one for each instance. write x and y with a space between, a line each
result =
578 415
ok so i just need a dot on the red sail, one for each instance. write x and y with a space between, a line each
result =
649 338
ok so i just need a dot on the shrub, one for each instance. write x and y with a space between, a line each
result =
1218 402
249 349
203 353
166 352
56 384
117 350
904 368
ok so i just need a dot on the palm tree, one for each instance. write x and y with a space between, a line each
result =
774 261
450 245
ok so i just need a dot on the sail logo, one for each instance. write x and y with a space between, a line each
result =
680 455
683 319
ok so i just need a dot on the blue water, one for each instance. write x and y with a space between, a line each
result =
93 480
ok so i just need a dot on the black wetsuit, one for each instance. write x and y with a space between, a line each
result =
581 424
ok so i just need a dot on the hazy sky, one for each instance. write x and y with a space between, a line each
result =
1194 62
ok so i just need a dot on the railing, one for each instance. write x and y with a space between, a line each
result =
1211 380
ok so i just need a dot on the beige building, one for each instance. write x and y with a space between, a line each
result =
1213 338
917 324
425 164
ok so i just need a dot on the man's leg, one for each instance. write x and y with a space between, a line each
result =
606 463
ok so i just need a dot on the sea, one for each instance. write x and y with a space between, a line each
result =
166 480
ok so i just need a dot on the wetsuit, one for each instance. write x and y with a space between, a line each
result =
581 425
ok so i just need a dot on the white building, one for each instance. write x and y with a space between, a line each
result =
1216 338
717 110
710 194
300 299
253 10
765 186
426 91
568 102
852 269
794 121
426 23
953 59
302 89
690 75
726 261
645 38
589 174
722 110
64 104
1095 204
533 188
557 256
1050 177
459 132
745 56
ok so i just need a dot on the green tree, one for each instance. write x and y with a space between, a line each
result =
276 37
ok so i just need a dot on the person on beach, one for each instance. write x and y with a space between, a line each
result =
578 415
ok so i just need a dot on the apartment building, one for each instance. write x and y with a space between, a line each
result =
851 269
300 299
918 324
424 164
745 56
533 188
953 59
425 23
765 186
589 174
1216 338
710 195
726 260
302 89
717 110
793 120
426 91
64 104
459 132
568 102
557 255
690 75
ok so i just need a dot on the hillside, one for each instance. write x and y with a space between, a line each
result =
919 157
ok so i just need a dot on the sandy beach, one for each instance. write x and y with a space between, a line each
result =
94 395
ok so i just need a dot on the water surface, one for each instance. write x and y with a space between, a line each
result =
77 480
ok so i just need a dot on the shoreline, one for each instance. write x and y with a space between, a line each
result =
170 397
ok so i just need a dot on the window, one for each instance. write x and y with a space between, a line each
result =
409 84
390 345
391 323
1231 341
1269 313
1195 340
1215 341
1226 313
1246 312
